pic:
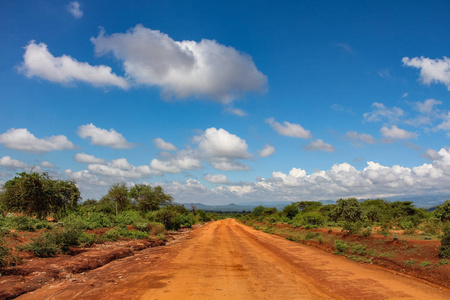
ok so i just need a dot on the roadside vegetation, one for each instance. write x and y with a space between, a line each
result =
46 217
396 235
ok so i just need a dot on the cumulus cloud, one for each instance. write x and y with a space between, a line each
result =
289 129
220 143
216 178
187 159
228 164
88 159
357 138
380 111
39 62
22 139
319 145
267 150
397 133
431 70
103 137
8 162
163 145
74 9
427 106
204 69
121 169
47 164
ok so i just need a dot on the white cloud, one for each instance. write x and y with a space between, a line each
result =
204 69
445 125
120 169
228 164
267 150
8 162
47 164
427 106
289 129
356 137
431 70
84 177
88 159
74 9
397 133
22 139
236 111
161 144
39 62
164 166
216 178
219 143
103 137
405 95
319 145
381 111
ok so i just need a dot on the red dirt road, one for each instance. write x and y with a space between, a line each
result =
227 260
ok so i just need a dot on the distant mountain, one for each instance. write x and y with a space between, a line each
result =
419 201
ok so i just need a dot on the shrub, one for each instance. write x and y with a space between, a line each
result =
444 262
42 247
129 217
155 229
313 218
352 227
87 239
410 262
22 223
340 247
186 220
5 254
111 235
425 264
44 225
65 238
312 235
444 249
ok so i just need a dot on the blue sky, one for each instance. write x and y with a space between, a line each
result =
230 101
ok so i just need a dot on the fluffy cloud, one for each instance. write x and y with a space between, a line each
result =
88 159
431 70
8 162
319 145
204 69
289 129
220 143
427 106
397 133
47 164
357 138
267 150
74 9
161 144
22 139
39 62
380 111
103 137
121 169
216 178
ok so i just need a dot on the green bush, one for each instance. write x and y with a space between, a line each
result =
155 229
312 235
444 249
129 217
111 235
5 254
340 247
186 220
42 247
44 225
21 223
87 239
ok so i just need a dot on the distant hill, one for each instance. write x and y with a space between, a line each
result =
419 201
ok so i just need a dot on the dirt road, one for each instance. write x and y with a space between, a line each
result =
227 260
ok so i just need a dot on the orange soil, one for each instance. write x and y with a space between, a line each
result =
227 260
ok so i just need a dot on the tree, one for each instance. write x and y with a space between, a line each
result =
348 209
442 211
148 198
38 194
118 195
306 206
290 210
258 210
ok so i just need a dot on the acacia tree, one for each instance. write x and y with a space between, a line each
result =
38 194
148 198
119 196
348 209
